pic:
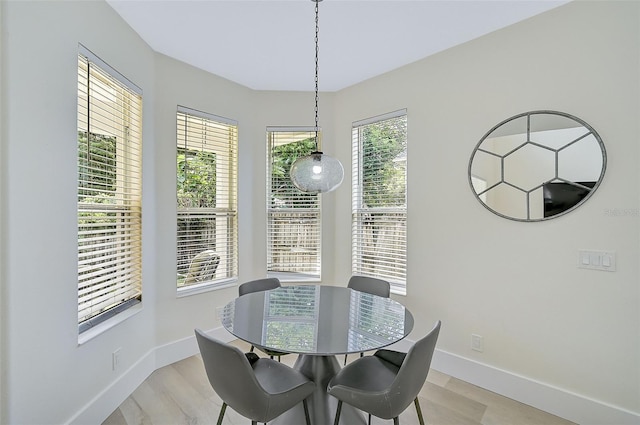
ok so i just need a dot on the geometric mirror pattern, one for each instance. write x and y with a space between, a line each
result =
553 152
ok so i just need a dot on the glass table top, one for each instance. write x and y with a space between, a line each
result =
315 319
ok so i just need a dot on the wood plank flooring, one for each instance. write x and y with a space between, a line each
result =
180 394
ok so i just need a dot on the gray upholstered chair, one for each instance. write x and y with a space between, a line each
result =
257 388
370 285
259 285
385 384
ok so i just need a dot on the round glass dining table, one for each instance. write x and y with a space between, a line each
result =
317 322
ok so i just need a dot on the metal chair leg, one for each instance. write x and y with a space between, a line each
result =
345 358
338 413
306 411
224 407
419 411
396 421
369 421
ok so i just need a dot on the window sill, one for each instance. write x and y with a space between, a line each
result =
205 287
90 334
293 277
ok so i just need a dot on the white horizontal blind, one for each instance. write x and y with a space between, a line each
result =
207 216
109 192
366 329
293 217
379 199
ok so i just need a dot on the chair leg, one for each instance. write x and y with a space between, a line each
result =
396 421
306 411
419 411
252 348
369 420
338 413
345 360
224 407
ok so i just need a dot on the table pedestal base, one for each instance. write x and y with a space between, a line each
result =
322 406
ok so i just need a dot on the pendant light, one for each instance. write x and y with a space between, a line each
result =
316 172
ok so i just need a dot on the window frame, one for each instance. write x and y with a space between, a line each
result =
109 194
226 163
312 213
396 215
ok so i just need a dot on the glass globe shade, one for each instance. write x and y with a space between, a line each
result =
317 173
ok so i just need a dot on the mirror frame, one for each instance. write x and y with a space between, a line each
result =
528 115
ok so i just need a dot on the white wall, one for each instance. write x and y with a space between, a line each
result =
515 283
177 84
3 136
43 364
48 377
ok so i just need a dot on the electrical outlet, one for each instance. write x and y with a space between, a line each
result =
115 359
477 342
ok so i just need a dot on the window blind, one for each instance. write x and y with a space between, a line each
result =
207 216
379 198
109 191
362 321
293 217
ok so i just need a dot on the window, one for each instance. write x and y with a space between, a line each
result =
109 191
293 217
207 215
379 199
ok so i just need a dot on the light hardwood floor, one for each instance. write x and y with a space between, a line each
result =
181 394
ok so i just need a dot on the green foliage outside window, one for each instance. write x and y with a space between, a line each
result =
97 168
384 155
283 193
196 179
196 188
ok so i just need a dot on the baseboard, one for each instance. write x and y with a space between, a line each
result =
568 405
98 409
560 402
186 347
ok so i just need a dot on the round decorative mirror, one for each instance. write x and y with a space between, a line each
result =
537 165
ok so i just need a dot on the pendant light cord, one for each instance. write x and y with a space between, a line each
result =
316 80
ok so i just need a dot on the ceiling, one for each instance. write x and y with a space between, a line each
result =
269 44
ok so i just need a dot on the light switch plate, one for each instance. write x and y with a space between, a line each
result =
597 260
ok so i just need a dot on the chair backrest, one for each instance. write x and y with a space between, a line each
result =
370 285
258 285
202 267
231 375
413 372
